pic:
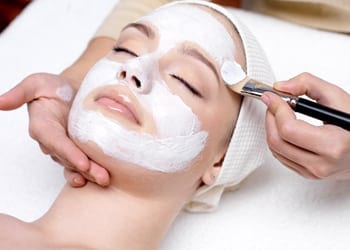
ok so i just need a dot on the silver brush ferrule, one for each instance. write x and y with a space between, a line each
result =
256 89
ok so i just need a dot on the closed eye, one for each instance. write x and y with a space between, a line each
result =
125 50
187 85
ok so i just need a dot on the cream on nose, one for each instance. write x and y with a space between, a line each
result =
132 79
138 73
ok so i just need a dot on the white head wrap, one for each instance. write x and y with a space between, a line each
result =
248 148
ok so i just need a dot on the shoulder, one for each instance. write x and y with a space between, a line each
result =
17 234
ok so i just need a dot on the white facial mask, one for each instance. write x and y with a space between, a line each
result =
232 73
179 23
178 141
189 20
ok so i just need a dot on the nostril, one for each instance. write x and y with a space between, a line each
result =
122 74
137 81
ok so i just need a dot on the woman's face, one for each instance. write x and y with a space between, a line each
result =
157 101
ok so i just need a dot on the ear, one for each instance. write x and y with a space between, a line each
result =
210 175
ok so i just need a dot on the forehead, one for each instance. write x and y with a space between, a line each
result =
180 23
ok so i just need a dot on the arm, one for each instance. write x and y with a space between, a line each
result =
39 91
48 114
318 152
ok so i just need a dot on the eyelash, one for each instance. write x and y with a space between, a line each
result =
183 81
187 85
122 49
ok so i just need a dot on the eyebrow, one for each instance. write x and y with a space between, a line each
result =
146 30
201 57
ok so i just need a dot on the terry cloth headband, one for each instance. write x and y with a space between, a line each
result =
248 148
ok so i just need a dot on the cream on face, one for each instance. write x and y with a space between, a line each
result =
179 138
232 72
191 22
178 141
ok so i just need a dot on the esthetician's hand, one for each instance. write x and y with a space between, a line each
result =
318 152
49 99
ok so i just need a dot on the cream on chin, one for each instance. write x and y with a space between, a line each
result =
179 139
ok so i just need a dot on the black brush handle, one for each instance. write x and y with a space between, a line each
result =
323 113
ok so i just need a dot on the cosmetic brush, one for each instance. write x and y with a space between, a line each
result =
253 88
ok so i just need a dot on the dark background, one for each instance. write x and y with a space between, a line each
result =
9 9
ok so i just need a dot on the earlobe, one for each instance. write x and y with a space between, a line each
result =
209 177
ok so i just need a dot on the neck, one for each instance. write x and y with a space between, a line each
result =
103 217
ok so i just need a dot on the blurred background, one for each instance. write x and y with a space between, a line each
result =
9 9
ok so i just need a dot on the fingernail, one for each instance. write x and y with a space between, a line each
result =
78 180
102 182
265 99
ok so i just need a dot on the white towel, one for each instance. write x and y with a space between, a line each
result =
274 208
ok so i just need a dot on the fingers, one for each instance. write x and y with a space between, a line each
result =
13 99
301 134
312 86
312 151
73 178
24 92
283 148
99 174
295 167
288 154
77 178
48 121
47 125
96 174
58 144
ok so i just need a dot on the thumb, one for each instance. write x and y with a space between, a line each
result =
31 88
22 93
13 99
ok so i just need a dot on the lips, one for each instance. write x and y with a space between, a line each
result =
118 104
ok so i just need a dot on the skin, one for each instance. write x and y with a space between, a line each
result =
48 114
37 91
316 152
119 215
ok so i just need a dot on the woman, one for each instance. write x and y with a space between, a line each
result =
327 164
156 113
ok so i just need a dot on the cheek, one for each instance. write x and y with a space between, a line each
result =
218 120
171 115
215 133
208 116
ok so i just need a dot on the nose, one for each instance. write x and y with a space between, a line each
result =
136 72
133 79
